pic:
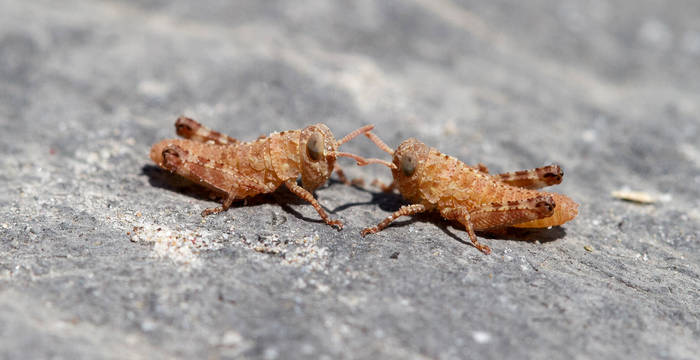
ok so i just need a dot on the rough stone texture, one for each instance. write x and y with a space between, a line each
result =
608 89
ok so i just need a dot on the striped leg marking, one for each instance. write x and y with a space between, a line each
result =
463 216
533 178
214 175
190 129
304 194
405 210
513 212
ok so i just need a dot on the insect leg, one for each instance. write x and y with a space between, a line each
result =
215 210
200 170
513 213
211 174
533 178
191 129
304 194
384 187
238 186
463 216
405 210
341 176
565 210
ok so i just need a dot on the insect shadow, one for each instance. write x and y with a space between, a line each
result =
543 235
163 179
390 202
385 200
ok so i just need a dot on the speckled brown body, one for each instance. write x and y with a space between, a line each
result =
265 163
241 169
432 181
442 181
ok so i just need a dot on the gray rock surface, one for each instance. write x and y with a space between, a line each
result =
102 255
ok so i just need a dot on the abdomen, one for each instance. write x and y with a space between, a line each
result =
484 191
566 209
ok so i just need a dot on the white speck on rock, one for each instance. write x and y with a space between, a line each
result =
302 252
148 325
589 135
233 343
481 337
182 247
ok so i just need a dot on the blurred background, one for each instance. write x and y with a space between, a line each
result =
104 255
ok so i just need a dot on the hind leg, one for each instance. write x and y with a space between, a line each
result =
512 213
191 129
533 178
499 215
211 174
463 216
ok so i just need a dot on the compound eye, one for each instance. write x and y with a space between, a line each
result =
314 147
408 164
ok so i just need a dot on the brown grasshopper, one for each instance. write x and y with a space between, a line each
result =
238 170
431 181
